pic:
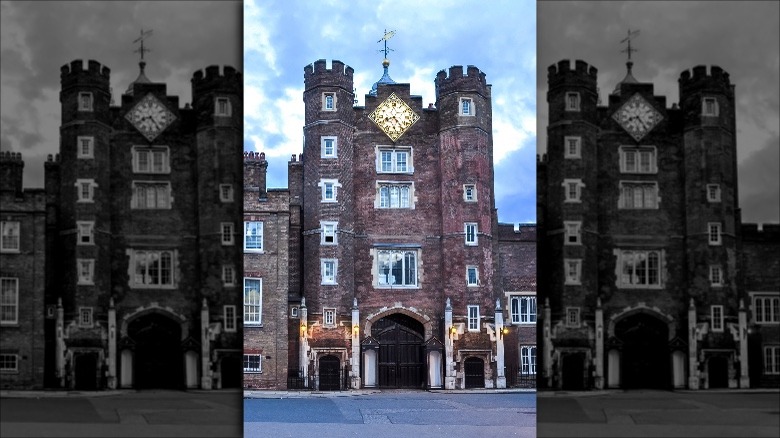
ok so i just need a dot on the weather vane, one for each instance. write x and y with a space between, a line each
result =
144 34
386 37
629 49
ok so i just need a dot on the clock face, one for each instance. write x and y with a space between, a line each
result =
394 117
637 117
150 117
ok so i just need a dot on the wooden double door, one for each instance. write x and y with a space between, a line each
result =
401 361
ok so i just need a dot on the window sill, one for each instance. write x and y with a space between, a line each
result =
254 251
253 324
387 286
572 283
9 324
10 251
329 284
145 286
252 372
85 284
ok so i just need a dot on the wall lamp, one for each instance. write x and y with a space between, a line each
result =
453 331
303 329
356 330
503 332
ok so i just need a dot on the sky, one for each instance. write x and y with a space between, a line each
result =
281 37
37 38
741 37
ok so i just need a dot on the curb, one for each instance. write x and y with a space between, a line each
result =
263 394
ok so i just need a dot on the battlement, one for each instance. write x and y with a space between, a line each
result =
11 157
768 233
210 79
339 75
455 81
296 158
699 77
254 156
75 74
561 73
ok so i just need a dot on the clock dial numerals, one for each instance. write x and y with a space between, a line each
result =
150 117
637 117
394 117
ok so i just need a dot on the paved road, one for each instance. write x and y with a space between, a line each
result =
659 414
406 414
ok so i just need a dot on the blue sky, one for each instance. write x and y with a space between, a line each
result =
498 37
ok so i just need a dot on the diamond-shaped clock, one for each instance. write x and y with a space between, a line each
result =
150 117
637 117
394 117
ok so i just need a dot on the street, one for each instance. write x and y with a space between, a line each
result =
399 413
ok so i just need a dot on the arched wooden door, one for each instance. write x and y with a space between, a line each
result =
330 374
401 353
646 358
158 355
474 370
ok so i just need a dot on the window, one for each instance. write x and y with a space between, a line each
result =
636 195
86 271
252 363
151 159
640 269
329 101
638 159
395 195
394 161
228 275
230 318
572 232
572 101
329 188
772 359
328 235
222 107
9 300
472 276
9 236
716 276
709 106
716 312
572 189
86 147
573 268
85 190
572 147
226 233
151 195
9 363
226 192
85 317
253 300
328 147
294 312
466 106
328 269
713 192
152 269
397 267
766 309
572 317
523 309
713 233
253 237
470 192
85 101
473 318
329 317
85 232
470 229
528 359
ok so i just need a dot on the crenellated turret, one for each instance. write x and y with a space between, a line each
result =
85 94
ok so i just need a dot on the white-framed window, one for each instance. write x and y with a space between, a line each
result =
572 147
329 317
572 317
85 147
329 269
85 101
226 192
229 313
398 160
470 231
253 237
713 192
467 106
9 363
151 195
228 275
294 312
639 269
10 236
472 276
85 232
573 270
572 101
709 106
572 232
151 159
152 268
329 101
86 271
396 267
772 359
641 159
85 190
328 235
85 317
253 301
572 189
329 189
9 300
766 309
395 194
522 309
716 276
528 359
713 233
253 363
638 195
473 318
222 107
328 147
227 230
470 192
716 314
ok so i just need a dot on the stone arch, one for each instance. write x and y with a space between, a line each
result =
408 311
642 308
155 308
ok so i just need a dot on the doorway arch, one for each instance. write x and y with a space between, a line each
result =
401 359
330 374
158 361
645 361
474 373
86 371
718 372
573 371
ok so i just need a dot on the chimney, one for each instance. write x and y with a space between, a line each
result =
11 172
255 169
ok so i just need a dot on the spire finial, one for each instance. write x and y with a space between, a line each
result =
144 35
629 49
384 38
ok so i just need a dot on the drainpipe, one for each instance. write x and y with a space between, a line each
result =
355 345
303 358
59 345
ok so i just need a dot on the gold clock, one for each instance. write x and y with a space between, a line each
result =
150 117
637 117
394 117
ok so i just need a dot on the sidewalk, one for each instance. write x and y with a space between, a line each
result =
61 393
268 394
602 392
